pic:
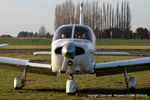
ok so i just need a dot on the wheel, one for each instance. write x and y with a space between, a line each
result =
70 87
18 83
132 83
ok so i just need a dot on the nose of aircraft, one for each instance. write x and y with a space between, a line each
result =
69 50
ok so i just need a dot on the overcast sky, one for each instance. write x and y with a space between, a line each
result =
30 15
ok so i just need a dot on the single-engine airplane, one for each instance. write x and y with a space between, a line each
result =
73 51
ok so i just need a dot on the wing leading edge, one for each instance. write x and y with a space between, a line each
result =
96 53
117 67
39 68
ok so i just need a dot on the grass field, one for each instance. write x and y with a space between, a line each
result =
26 47
122 42
22 41
15 41
101 44
99 47
47 87
53 88
121 47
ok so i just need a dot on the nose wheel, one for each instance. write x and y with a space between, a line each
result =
71 86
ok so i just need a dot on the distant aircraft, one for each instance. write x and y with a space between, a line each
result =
73 51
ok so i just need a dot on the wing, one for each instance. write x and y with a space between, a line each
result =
20 64
4 45
97 53
117 67
42 53
112 53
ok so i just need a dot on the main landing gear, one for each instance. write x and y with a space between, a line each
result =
19 82
71 85
131 82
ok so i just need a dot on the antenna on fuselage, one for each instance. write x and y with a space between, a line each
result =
81 13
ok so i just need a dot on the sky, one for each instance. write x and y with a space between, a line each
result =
30 15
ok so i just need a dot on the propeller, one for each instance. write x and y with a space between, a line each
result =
68 51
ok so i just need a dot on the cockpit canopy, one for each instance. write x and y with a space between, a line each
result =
75 32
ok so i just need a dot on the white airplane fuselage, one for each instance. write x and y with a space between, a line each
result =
83 60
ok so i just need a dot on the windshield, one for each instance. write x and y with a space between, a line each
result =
74 31
63 32
82 32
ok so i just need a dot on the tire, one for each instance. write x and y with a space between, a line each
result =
18 83
132 83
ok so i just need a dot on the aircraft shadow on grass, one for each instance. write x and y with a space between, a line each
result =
46 90
115 91
145 91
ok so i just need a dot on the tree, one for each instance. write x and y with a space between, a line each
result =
142 32
36 34
42 32
64 14
98 18
48 35
30 34
23 34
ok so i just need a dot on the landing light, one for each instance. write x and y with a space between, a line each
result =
70 63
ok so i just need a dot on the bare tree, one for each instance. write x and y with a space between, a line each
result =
64 13
117 16
101 19
42 31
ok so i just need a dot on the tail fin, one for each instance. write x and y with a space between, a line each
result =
81 14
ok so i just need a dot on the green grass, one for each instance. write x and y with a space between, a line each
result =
53 88
22 41
26 47
122 42
120 47
101 44
16 41
48 47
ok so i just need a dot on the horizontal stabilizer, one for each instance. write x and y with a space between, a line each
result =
4 45
42 53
